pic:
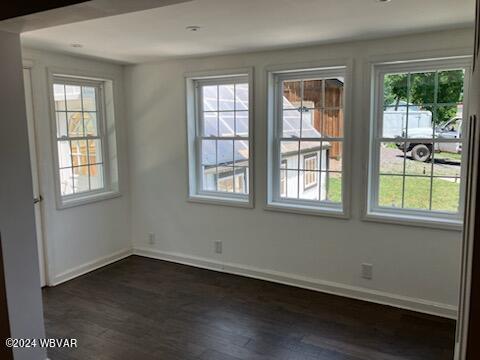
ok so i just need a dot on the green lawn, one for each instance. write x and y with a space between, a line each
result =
335 189
445 194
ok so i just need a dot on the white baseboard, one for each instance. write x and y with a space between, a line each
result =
355 292
90 266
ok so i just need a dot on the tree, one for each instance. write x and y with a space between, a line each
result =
419 89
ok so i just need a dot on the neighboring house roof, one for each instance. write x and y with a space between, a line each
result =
226 151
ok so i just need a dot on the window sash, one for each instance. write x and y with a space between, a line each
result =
378 75
199 137
277 138
100 123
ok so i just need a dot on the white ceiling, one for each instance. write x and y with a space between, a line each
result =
229 26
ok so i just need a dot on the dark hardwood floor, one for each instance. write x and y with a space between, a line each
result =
144 309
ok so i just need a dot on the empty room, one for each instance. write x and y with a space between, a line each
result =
240 180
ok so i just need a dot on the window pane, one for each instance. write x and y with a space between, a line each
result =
209 177
418 162
241 123
450 86
96 177
422 88
241 153
395 89
289 151
394 122
75 124
446 194
417 193
226 97
90 123
311 123
313 93
209 152
334 92
332 124
310 155
332 155
74 98
210 124
79 152
420 151
291 181
227 124
391 158
225 152
420 124
241 97
64 154
241 180
390 191
291 123
66 181
333 185
210 98
95 151
309 185
448 121
292 94
225 179
81 179
61 118
88 97
59 97
447 159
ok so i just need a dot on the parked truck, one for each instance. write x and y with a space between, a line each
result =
422 150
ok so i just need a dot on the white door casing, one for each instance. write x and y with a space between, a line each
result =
35 176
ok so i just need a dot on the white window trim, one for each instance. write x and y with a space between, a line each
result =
297 206
195 194
422 218
109 191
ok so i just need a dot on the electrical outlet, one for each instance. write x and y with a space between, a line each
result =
367 271
151 238
218 247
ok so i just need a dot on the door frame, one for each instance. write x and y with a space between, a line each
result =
468 325
5 352
38 208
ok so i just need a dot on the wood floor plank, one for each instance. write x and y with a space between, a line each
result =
141 308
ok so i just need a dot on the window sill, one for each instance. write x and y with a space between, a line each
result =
219 200
412 220
307 210
87 199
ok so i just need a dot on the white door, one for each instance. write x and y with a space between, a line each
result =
33 159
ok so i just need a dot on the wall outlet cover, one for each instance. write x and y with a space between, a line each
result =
151 238
218 247
367 271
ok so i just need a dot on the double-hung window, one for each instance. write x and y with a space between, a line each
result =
418 141
219 139
306 141
81 153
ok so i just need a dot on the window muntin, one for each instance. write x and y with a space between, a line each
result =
79 137
308 139
223 137
418 141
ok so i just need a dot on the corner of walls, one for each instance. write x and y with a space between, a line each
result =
71 247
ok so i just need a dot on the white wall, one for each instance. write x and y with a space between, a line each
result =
413 267
80 238
17 222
